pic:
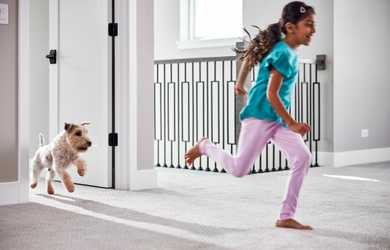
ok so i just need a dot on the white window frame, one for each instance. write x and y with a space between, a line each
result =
187 26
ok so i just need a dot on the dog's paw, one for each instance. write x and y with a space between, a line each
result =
34 185
70 188
68 182
81 171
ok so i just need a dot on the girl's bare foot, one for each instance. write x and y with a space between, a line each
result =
291 223
193 153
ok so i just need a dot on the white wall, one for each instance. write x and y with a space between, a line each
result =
39 71
361 81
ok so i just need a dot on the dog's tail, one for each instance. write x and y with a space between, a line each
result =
41 140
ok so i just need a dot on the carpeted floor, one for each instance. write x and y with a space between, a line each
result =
348 207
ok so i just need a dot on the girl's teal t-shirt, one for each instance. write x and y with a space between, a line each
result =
285 60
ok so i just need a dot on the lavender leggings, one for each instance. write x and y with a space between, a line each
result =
253 137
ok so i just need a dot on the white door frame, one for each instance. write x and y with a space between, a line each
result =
23 101
135 46
134 114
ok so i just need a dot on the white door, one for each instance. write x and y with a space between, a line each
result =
80 80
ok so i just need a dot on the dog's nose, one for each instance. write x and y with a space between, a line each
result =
89 143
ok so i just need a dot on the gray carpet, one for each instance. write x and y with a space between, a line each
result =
35 226
348 207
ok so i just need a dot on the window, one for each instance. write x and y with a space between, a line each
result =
210 23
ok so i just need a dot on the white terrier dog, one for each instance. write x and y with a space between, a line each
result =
58 155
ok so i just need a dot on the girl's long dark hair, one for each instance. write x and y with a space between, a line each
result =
263 42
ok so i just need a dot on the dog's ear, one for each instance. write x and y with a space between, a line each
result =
68 127
85 123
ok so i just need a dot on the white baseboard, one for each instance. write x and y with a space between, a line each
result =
9 193
325 158
347 158
143 179
361 157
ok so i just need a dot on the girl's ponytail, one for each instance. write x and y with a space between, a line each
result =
261 44
275 32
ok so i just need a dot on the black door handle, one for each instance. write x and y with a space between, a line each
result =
52 56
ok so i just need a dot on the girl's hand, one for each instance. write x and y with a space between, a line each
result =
299 127
239 89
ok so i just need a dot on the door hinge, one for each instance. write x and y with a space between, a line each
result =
113 139
113 29
52 56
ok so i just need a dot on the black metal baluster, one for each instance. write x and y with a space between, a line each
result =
196 114
273 157
212 109
266 157
317 138
155 114
212 114
207 111
165 116
280 161
223 111
228 112
193 114
204 108
188 112
260 163
179 108
171 140
310 111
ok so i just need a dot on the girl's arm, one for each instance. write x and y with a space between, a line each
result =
274 84
244 71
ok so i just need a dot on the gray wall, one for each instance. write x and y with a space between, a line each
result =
361 81
8 94
39 72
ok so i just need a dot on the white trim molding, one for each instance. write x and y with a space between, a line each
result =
207 43
348 158
361 157
122 103
325 158
23 102
135 166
